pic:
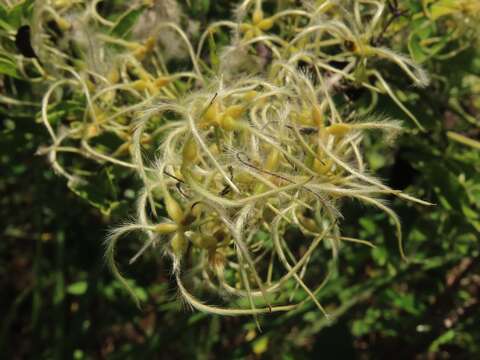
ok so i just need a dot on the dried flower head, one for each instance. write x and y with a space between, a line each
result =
253 141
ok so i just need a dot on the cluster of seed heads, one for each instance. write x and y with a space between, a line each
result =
254 140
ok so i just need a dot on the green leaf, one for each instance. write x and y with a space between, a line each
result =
8 67
450 192
126 22
200 7
260 345
376 160
441 340
98 190
78 354
4 19
380 255
214 59
28 7
15 16
77 288
420 51
415 49
405 302
6 26
442 8
141 293
368 224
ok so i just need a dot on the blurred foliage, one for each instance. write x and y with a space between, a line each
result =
59 301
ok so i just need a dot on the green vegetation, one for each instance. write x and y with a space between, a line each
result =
265 178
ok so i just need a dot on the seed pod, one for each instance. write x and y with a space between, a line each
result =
250 34
162 81
109 96
131 148
273 159
123 149
188 219
150 43
271 164
305 118
229 123
173 208
338 129
308 223
142 73
196 209
364 50
59 4
257 16
179 244
265 24
146 139
245 27
317 116
235 111
140 85
190 151
140 53
212 113
63 24
203 241
243 178
214 149
125 136
322 167
113 75
250 95
165 228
